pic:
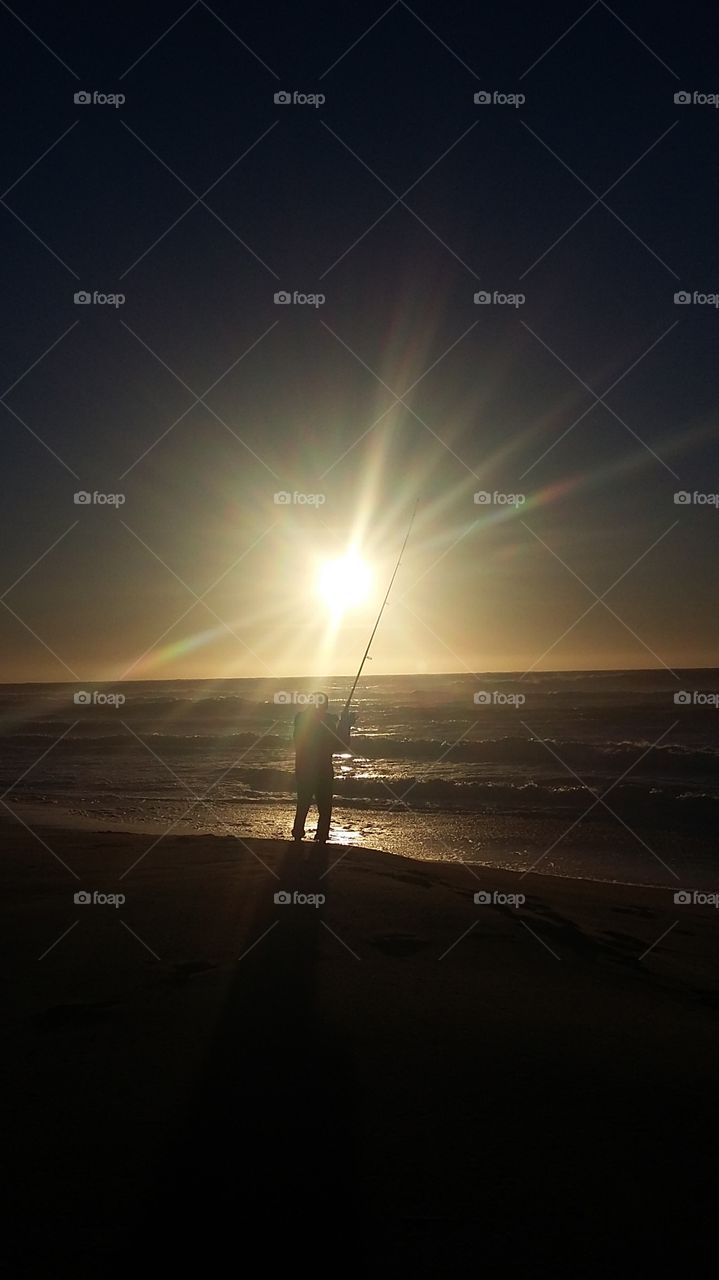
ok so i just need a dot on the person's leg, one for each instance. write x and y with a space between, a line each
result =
304 800
323 791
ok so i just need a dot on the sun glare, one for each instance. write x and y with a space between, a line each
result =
345 583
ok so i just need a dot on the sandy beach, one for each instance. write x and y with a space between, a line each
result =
358 390
200 1064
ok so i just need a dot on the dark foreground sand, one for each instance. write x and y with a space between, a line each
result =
398 1079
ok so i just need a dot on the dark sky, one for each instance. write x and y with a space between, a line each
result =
307 198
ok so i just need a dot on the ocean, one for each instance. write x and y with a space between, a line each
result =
493 769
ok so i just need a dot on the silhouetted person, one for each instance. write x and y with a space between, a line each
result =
317 736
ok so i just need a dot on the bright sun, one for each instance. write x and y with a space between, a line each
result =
344 583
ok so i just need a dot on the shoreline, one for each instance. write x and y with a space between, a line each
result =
496 834
125 853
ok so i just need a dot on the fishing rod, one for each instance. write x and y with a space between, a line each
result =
379 615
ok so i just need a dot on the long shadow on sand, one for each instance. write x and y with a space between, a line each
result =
267 1136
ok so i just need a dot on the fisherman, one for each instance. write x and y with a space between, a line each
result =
317 735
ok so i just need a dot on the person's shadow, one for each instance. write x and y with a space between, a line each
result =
269 1132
